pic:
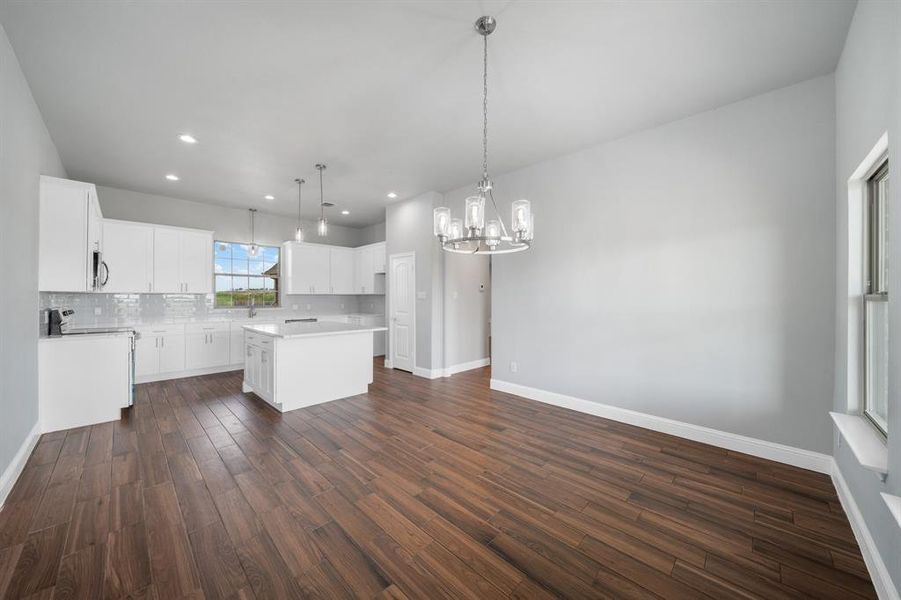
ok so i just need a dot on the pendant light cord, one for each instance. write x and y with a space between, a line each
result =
321 196
485 107
300 183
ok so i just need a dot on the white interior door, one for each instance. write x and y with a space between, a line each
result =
402 298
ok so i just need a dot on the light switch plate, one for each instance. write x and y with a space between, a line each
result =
97 311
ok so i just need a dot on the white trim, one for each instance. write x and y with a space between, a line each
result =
14 468
427 373
467 366
189 373
894 506
451 370
867 446
798 457
388 364
879 573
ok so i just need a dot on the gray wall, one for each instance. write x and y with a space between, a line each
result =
372 234
686 271
231 224
868 103
26 152
408 228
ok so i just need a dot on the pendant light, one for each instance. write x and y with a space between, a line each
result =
298 233
322 228
472 234
253 250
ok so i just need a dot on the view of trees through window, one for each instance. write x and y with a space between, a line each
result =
241 277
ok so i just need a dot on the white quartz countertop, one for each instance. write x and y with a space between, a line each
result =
297 330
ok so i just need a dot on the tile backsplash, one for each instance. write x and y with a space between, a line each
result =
93 310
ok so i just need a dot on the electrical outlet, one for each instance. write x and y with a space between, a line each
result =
293 307
309 307
342 306
513 366
97 311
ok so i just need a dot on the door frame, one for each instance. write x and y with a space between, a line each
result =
389 362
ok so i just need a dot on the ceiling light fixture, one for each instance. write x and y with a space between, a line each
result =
345 212
322 228
172 177
473 235
298 233
188 138
392 195
268 197
253 249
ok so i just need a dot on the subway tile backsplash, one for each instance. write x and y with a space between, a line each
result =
100 310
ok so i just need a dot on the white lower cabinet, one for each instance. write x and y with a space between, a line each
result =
159 350
206 345
259 365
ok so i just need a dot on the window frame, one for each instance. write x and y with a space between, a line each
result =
276 289
875 285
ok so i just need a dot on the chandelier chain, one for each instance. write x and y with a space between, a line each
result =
485 107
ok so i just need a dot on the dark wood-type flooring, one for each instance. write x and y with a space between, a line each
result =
419 489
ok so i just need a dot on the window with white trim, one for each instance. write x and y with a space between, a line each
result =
243 278
875 300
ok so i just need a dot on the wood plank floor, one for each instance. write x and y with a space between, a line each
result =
419 489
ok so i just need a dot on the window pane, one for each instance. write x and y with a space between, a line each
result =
876 401
239 266
223 265
255 283
269 254
222 249
256 267
882 194
239 251
223 283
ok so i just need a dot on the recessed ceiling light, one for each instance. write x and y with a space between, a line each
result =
392 195
345 212
269 197
172 177
188 138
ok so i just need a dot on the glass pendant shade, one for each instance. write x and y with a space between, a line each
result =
475 212
298 234
529 234
456 229
520 215
254 250
322 229
493 232
442 217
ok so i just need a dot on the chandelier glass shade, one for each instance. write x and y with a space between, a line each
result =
476 233
253 250
322 226
298 232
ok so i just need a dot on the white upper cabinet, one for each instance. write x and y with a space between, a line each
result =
341 270
182 261
128 253
306 268
196 261
378 257
319 269
69 235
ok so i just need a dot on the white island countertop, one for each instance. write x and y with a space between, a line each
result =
298 330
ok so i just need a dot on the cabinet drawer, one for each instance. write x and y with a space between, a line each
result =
166 329
209 327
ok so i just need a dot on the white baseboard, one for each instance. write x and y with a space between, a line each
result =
451 370
189 373
467 366
879 572
14 468
798 457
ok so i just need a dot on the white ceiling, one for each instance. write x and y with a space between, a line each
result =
386 93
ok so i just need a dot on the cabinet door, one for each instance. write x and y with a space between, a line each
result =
363 277
196 262
147 355
196 350
63 246
378 258
217 348
309 269
128 252
341 269
267 372
249 358
172 352
321 276
166 272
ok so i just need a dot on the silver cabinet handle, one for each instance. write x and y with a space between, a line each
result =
156 342
186 287
162 342
149 286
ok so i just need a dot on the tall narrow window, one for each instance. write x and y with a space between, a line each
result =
875 405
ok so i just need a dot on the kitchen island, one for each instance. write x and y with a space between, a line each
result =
293 365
